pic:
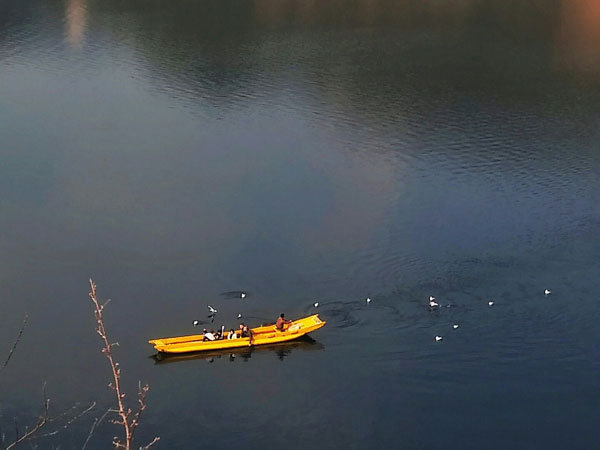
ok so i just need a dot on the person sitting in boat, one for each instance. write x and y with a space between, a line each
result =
220 334
282 322
231 334
245 332
209 335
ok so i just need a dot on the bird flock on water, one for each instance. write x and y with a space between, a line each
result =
432 306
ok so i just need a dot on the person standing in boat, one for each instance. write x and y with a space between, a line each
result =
282 322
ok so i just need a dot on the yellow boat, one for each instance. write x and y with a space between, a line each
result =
281 349
260 335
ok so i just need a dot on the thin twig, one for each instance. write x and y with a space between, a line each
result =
94 425
142 391
63 414
43 420
69 422
154 441
16 342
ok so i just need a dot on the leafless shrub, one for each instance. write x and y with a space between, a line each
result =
44 418
126 417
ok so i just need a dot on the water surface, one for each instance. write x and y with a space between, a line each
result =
330 151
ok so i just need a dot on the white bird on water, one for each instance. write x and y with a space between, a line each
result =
547 292
316 304
368 300
239 316
195 322
211 309
490 303
455 326
432 303
438 338
243 295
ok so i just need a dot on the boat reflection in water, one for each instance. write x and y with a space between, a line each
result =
282 350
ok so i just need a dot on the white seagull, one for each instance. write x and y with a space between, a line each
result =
195 322
455 326
316 304
547 292
239 316
243 295
432 303
438 338
211 309
368 300
490 303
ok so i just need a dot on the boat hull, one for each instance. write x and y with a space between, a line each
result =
260 336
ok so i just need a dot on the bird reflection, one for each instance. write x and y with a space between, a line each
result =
282 351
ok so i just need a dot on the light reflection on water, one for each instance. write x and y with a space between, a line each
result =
300 151
75 18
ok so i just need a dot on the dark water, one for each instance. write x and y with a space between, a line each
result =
303 151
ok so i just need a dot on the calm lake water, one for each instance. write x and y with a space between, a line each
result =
181 152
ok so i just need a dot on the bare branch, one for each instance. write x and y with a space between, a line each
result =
107 350
129 423
94 425
16 342
63 414
154 441
142 391
43 420
69 422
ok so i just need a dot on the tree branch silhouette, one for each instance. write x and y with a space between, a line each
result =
126 418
